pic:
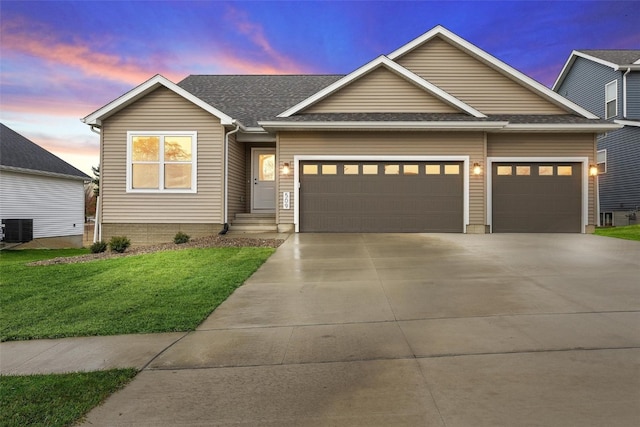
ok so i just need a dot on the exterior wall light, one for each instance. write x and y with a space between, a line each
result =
286 170
593 170
477 169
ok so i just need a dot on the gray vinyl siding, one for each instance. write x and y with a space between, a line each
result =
237 177
620 185
547 145
472 81
585 85
381 91
162 110
633 95
381 144
56 205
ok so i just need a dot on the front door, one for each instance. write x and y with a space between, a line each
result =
263 195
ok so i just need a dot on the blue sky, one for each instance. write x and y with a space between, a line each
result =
61 60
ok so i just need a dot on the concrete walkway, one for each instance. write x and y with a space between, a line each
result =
388 329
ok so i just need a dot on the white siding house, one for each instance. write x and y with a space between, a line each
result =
38 186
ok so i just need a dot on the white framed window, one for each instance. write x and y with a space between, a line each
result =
611 99
602 161
164 162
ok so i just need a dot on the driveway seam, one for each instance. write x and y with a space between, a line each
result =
164 350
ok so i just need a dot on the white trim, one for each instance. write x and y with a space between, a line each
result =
383 61
252 165
585 182
390 125
606 100
628 122
42 173
298 158
138 92
495 63
560 127
161 163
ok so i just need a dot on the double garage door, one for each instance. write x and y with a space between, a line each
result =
381 197
395 197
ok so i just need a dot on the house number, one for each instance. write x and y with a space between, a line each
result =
286 200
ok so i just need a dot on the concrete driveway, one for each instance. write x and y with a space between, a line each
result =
407 329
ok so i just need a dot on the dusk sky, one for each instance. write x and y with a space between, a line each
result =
62 60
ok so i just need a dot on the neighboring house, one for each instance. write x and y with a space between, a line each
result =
41 196
607 83
438 136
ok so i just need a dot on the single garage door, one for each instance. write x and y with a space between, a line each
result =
381 197
537 197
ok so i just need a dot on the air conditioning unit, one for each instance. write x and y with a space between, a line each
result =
17 230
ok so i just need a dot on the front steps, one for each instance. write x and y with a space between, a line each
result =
254 223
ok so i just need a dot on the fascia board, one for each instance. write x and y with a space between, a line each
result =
560 127
628 122
43 173
153 83
463 126
494 63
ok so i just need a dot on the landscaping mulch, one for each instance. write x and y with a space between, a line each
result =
216 241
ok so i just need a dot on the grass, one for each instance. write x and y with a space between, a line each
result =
629 232
56 400
159 292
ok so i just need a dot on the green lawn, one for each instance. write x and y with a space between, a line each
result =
629 232
56 400
159 292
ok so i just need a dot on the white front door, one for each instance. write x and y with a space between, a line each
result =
263 194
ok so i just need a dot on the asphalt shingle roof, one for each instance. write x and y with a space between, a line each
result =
250 98
16 151
618 57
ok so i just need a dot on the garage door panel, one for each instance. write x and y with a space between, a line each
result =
536 202
384 202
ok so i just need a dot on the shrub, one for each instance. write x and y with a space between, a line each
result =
181 237
98 247
119 243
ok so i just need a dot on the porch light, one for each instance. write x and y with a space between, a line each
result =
593 170
477 169
286 170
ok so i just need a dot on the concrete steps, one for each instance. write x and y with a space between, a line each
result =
254 223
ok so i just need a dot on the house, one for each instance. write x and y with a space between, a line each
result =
437 136
41 196
607 83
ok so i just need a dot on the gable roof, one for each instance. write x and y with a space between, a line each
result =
250 98
496 64
616 59
383 61
95 118
19 154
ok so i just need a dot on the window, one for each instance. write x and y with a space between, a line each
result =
451 169
329 169
392 169
369 169
161 162
505 170
523 170
602 161
432 169
611 99
351 170
310 169
565 171
545 170
411 169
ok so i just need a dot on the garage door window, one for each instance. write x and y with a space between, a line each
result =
310 169
565 170
329 169
451 169
392 169
350 170
411 170
545 170
370 169
505 170
523 170
432 169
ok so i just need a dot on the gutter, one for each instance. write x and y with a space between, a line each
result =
225 227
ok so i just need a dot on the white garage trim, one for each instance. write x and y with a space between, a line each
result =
585 181
298 158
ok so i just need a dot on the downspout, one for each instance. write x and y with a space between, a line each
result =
624 93
97 227
225 227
